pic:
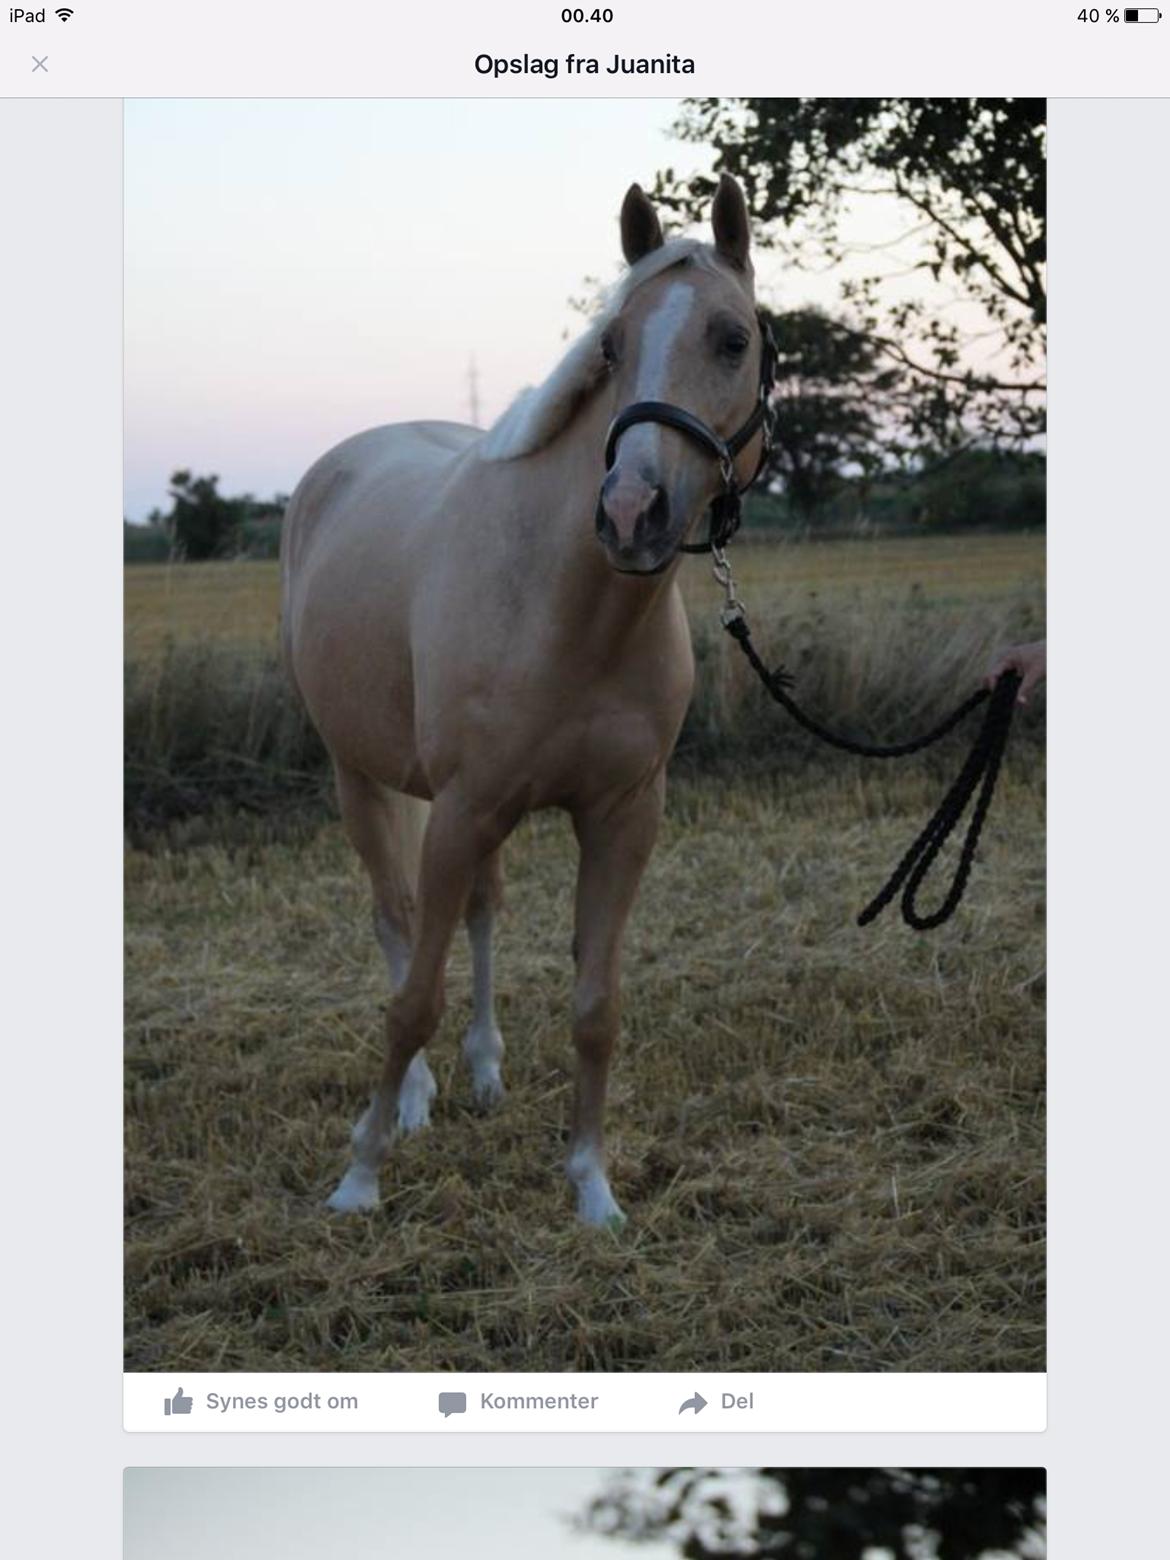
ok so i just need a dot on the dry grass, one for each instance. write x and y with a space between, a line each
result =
881 643
238 603
829 1141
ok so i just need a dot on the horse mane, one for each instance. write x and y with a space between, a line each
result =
541 411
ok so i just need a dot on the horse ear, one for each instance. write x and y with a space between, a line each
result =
729 219
641 229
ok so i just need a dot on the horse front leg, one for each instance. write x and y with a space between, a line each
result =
615 846
455 843
483 1045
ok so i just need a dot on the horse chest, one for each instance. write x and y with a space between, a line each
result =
590 747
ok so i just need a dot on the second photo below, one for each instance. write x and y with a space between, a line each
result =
587 1513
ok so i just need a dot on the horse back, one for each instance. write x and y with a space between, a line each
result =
362 494
371 468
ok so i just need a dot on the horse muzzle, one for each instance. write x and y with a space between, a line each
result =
633 523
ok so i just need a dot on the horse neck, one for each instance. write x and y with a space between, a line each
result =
587 597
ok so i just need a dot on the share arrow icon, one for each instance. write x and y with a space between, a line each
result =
698 1403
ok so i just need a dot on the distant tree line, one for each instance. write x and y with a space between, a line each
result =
203 523
992 490
840 457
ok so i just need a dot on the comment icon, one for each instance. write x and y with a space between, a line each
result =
452 1403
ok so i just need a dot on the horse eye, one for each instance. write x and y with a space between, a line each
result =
607 350
735 343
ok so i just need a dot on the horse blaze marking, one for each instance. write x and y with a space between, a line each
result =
663 326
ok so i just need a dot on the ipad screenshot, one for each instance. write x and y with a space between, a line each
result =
542 1039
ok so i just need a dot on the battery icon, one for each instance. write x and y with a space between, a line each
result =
1142 13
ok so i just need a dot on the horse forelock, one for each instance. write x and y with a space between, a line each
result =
541 411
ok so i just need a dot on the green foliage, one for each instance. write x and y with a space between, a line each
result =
985 489
977 490
145 543
830 1513
970 175
829 388
204 524
261 533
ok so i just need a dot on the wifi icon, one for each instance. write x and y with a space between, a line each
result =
64 13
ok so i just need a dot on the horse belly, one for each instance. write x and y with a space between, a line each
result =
352 552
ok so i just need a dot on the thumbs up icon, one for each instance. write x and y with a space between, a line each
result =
178 1404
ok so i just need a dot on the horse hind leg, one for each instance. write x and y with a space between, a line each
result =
483 1045
385 828
455 843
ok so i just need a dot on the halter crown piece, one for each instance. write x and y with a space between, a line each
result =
726 509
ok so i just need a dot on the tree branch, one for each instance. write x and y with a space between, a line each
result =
982 260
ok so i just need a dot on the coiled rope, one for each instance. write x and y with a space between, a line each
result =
979 773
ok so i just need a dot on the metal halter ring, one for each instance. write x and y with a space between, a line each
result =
733 607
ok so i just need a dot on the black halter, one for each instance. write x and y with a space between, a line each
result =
727 507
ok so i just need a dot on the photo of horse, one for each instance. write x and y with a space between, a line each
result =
405 553
471 677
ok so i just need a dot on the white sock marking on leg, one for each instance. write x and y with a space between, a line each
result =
483 1045
596 1204
357 1191
415 1095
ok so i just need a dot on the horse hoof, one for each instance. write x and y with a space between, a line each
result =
597 1207
483 1049
357 1193
414 1114
487 1088
415 1096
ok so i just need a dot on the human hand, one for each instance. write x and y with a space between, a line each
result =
1029 662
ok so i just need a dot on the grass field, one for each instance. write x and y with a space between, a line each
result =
829 1141
238 604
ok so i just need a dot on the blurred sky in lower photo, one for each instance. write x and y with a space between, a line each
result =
299 270
365 1514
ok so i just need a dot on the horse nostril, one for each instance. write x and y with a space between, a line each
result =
606 529
654 518
631 513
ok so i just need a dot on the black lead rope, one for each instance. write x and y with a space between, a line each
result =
979 773
981 769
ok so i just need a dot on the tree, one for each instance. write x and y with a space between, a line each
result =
829 1513
831 390
970 175
202 522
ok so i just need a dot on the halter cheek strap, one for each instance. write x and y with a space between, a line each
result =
726 509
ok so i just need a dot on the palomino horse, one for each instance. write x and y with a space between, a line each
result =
476 636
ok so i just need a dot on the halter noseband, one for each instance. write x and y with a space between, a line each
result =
727 507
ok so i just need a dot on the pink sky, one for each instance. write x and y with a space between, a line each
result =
299 270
